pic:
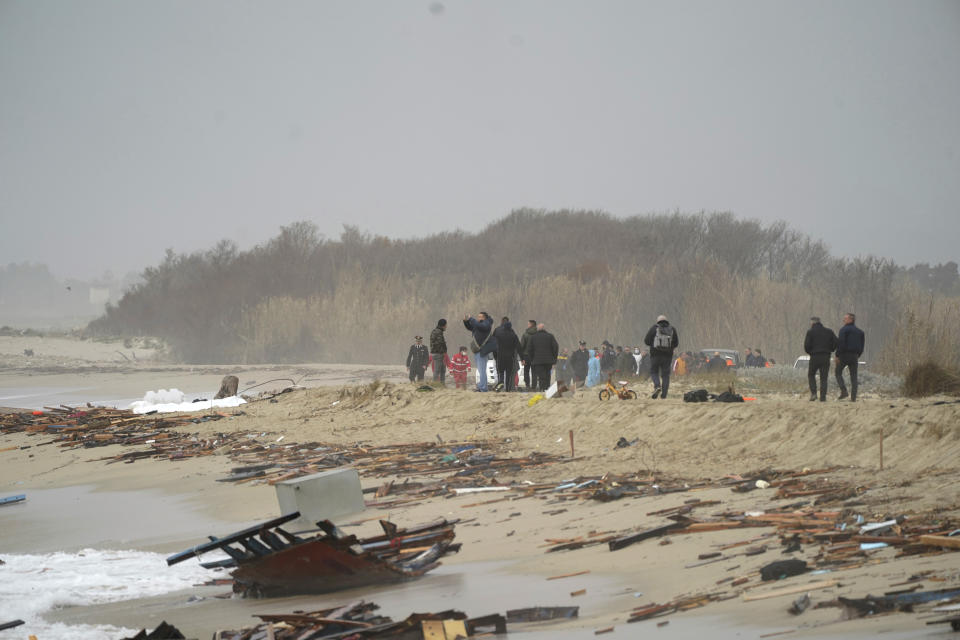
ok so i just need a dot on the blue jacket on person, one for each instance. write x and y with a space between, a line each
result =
594 376
850 340
480 330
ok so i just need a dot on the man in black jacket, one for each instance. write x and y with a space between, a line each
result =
417 359
819 343
662 338
524 347
579 360
507 346
542 354
850 343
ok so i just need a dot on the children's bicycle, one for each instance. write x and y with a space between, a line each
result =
621 392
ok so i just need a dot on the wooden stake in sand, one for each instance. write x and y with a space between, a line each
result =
571 445
881 448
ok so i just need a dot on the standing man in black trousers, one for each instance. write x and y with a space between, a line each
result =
542 353
524 348
819 343
850 343
662 338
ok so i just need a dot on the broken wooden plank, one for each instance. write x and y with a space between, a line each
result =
789 591
627 540
568 575
945 542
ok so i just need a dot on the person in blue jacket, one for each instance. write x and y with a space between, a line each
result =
482 329
593 369
850 343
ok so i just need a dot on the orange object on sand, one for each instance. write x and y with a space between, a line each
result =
747 399
37 413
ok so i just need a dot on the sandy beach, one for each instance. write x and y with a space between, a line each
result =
76 500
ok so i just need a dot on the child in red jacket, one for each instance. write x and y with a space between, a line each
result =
460 367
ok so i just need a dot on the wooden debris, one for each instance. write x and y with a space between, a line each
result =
789 591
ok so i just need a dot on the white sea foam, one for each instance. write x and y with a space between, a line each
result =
164 396
31 584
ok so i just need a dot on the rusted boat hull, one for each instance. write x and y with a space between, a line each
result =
268 561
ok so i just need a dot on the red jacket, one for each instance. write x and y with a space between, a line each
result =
460 363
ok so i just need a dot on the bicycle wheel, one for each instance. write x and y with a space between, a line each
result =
605 394
630 394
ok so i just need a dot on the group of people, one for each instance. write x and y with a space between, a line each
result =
535 354
846 348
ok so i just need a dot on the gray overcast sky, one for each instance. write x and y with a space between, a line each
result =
130 127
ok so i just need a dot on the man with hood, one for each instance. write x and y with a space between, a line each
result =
483 344
438 351
543 352
508 345
524 346
662 338
819 343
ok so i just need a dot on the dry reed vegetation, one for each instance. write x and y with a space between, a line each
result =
929 379
725 283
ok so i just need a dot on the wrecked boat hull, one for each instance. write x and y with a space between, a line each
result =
269 561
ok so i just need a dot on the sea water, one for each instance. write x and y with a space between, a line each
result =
32 584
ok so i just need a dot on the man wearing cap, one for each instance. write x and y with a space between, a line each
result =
662 340
417 359
819 343
578 364
438 351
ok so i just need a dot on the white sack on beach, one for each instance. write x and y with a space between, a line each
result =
164 401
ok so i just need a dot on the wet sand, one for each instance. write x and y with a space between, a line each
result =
167 506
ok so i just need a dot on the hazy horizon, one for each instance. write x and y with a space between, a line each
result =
128 128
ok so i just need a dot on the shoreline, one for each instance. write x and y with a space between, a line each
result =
675 441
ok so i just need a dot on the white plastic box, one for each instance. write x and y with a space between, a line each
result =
327 495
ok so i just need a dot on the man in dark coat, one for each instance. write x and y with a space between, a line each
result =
625 362
850 343
417 359
438 350
543 352
578 364
608 359
819 343
717 363
524 346
508 345
662 338
482 329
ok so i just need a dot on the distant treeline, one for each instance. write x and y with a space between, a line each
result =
724 282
